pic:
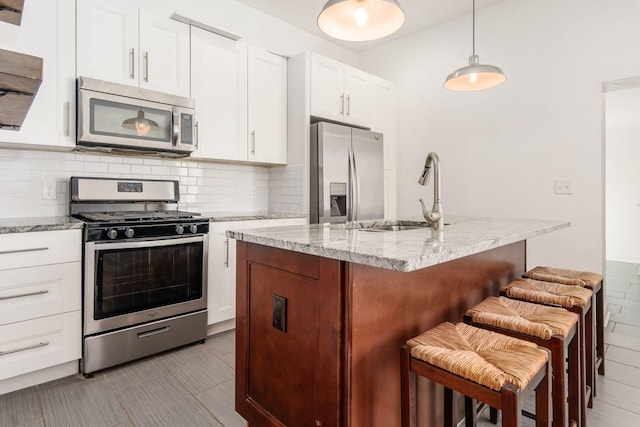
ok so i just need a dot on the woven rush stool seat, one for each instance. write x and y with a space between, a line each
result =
551 327
592 281
573 298
493 368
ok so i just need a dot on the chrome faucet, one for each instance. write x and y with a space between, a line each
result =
434 217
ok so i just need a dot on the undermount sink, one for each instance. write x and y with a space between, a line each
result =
396 227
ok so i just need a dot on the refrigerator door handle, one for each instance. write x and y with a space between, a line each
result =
355 185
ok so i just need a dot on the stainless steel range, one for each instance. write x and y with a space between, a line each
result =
145 269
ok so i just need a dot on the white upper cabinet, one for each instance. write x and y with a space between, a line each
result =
219 87
47 31
164 54
121 44
340 92
267 98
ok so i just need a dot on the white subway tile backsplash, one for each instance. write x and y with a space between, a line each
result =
119 168
141 169
160 170
204 186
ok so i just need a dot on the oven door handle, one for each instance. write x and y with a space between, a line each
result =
146 243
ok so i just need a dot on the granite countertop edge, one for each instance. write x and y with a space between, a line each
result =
345 248
55 223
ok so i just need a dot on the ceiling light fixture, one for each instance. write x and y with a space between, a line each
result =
474 76
360 20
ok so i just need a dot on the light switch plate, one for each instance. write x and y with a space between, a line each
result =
563 187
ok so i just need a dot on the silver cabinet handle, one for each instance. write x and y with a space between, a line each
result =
28 294
29 347
154 332
197 136
67 118
17 251
348 105
253 142
146 66
226 259
132 66
342 104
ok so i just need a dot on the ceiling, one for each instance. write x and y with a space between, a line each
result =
420 14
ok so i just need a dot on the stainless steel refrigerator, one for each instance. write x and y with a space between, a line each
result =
347 174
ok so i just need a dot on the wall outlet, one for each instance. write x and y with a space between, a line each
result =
49 190
563 187
253 192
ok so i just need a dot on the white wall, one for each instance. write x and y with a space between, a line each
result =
502 149
623 175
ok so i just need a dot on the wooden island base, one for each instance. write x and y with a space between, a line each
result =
337 362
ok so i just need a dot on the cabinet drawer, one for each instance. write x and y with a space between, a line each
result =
28 293
40 248
40 343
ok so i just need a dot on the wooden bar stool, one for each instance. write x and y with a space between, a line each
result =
573 298
592 281
493 368
551 327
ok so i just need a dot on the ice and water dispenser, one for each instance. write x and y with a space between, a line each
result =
338 198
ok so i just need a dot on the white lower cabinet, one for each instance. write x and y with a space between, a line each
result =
221 292
40 307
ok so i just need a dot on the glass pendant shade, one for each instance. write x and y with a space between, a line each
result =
360 20
474 76
140 124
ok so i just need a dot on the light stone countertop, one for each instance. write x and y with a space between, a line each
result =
51 223
407 250
249 216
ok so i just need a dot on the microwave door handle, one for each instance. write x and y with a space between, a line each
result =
176 128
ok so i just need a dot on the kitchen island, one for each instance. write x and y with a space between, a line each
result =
322 311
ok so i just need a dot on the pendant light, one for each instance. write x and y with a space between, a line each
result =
140 124
474 76
360 20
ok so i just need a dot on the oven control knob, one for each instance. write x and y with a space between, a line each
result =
193 228
129 232
179 229
112 233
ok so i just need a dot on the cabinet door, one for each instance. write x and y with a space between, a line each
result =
219 87
267 98
107 41
221 290
40 35
327 88
164 54
358 93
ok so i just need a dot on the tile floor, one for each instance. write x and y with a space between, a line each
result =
193 386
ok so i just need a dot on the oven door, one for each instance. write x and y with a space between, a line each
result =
129 283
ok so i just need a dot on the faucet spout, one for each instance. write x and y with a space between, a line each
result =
435 216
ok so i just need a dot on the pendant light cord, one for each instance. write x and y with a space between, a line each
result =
473 36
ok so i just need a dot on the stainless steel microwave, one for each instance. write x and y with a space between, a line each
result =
115 117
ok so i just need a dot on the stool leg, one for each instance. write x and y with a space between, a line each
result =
448 407
590 350
407 389
470 413
558 384
543 399
577 406
493 415
600 327
511 406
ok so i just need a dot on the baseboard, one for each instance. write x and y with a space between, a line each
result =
216 328
39 377
633 259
